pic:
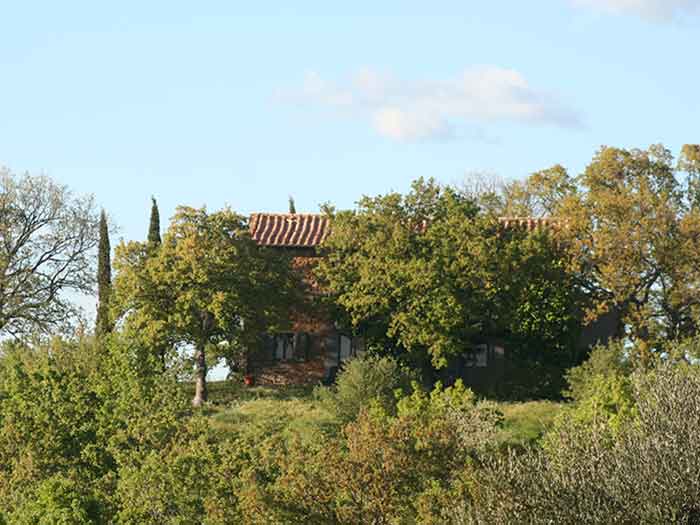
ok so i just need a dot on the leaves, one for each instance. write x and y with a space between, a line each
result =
47 238
208 284
632 237
427 273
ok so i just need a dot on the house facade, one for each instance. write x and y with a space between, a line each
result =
312 348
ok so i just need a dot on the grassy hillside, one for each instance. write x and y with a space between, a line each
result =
293 410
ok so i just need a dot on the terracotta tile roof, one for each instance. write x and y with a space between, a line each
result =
529 223
308 230
291 230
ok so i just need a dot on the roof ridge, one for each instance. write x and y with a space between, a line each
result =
303 230
287 214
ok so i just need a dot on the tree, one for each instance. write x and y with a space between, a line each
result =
47 238
633 232
209 286
539 195
643 471
78 418
154 224
158 339
104 279
631 228
689 162
428 273
292 207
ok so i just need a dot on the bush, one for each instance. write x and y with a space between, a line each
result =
177 484
601 391
59 500
643 472
78 414
365 379
604 361
385 468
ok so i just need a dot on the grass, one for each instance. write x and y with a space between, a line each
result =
222 393
292 409
524 423
265 410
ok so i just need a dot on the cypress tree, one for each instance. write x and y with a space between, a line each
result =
154 225
154 242
292 208
104 279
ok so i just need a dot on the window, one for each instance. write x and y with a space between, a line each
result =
349 347
289 346
478 357
345 348
283 347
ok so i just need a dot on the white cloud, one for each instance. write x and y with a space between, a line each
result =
401 125
662 10
438 109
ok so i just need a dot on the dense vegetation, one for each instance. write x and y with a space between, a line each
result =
96 433
428 275
98 426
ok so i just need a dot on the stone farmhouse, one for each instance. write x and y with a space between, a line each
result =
314 348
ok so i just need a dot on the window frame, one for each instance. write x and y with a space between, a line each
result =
354 348
485 354
288 348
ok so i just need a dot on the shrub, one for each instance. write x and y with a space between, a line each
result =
176 484
365 379
59 500
643 472
77 414
385 468
601 391
604 360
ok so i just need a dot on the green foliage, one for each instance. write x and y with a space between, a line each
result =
645 471
427 273
601 390
384 468
48 419
59 501
172 485
209 285
604 360
74 417
363 380
154 225
540 195
103 324
632 231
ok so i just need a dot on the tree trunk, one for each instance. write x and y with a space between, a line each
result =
200 381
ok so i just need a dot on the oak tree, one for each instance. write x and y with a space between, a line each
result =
633 230
429 273
47 241
209 284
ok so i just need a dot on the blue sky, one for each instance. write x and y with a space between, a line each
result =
245 103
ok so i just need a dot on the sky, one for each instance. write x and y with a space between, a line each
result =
245 103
